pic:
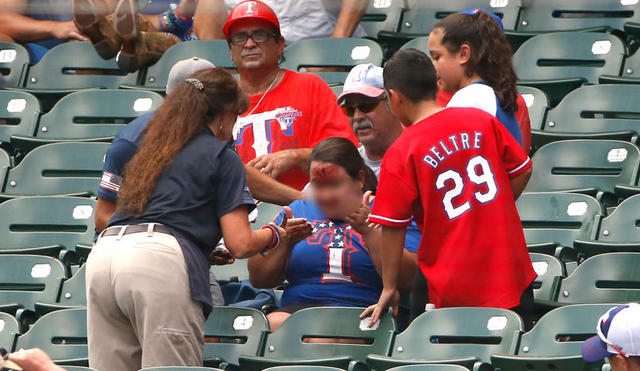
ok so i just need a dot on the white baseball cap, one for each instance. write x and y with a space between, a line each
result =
184 69
365 79
618 332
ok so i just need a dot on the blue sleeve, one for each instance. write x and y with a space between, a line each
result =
117 157
231 183
413 237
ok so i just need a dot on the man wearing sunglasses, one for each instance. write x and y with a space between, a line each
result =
289 112
618 339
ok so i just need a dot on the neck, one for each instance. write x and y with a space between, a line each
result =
256 82
466 81
375 153
422 110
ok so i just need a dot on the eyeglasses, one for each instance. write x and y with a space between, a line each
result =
258 36
364 107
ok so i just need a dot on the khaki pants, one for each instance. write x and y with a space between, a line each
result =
139 307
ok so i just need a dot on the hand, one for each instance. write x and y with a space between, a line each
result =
221 255
67 31
34 360
296 229
275 163
358 218
388 298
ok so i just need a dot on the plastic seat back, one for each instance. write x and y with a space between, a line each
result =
5 163
241 332
537 104
459 332
558 218
553 15
9 330
383 15
564 55
329 322
27 279
19 113
421 43
61 334
570 165
58 168
43 221
14 59
429 368
548 268
597 109
84 114
606 278
623 224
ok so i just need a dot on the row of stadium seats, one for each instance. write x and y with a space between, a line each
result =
469 337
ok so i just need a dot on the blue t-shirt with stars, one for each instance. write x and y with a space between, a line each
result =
332 267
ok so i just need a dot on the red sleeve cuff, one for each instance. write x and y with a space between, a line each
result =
389 222
526 165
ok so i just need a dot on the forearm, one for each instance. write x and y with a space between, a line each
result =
519 183
269 271
393 242
24 29
300 157
408 271
373 240
209 18
267 189
349 17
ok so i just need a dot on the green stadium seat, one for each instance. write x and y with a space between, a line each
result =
630 72
45 225
66 168
286 346
242 331
27 279
337 89
594 112
421 43
19 113
72 294
429 368
341 54
537 104
179 368
61 334
5 163
606 278
619 231
548 268
606 367
155 76
383 16
84 116
554 342
14 59
558 63
78 368
557 219
599 15
454 336
302 368
584 166
9 330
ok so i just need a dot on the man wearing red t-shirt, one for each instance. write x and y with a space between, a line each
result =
458 171
289 112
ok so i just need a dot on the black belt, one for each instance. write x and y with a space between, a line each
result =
135 228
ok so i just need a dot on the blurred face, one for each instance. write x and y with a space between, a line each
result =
371 120
449 66
335 192
246 52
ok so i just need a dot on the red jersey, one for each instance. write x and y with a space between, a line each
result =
298 113
452 172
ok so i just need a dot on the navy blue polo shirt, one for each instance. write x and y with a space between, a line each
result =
205 181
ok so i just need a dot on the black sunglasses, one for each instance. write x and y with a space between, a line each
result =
364 107
258 37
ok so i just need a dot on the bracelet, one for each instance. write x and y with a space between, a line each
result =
164 22
178 23
275 238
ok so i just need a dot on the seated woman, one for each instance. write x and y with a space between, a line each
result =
340 263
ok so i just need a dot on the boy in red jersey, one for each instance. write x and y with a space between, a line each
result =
458 171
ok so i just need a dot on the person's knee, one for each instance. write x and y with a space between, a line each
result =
276 319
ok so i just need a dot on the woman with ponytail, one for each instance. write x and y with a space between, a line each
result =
148 276
340 263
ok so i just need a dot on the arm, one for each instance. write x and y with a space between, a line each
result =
34 360
349 17
269 271
267 189
104 210
519 182
209 18
238 236
24 29
279 162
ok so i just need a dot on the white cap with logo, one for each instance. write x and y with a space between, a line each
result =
618 332
365 79
184 69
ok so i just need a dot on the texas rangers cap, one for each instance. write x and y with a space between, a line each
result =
618 332
365 79
475 11
184 69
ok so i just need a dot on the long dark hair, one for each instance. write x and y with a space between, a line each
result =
490 52
341 152
186 112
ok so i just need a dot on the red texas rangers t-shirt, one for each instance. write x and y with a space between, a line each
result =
452 172
299 112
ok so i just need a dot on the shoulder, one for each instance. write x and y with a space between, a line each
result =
479 96
134 129
304 78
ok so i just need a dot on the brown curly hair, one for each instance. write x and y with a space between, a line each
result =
490 52
185 113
